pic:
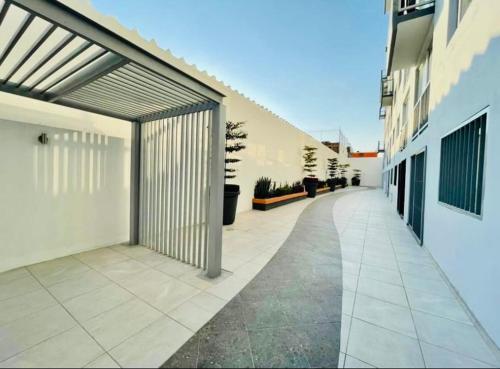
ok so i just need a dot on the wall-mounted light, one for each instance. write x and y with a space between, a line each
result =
43 139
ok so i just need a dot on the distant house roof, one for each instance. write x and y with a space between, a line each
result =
373 154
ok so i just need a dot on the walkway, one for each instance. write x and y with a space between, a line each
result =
399 310
127 306
130 307
289 315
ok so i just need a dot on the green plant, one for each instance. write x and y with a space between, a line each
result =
262 188
333 166
356 179
282 190
343 171
322 184
234 143
297 187
310 160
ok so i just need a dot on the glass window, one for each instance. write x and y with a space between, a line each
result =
462 167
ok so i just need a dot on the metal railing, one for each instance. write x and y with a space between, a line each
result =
409 6
386 85
382 113
421 111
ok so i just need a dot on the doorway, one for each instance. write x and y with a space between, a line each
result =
401 188
417 195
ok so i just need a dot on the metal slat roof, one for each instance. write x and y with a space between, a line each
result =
52 53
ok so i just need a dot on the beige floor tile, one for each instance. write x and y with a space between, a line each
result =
153 346
115 326
91 304
83 283
58 270
103 361
21 306
71 349
383 348
18 287
31 330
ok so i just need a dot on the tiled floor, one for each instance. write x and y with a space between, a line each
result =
289 315
398 309
130 307
127 306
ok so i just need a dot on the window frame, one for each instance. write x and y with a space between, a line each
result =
479 217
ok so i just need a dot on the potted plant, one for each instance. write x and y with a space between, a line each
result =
343 172
234 144
356 179
310 181
332 172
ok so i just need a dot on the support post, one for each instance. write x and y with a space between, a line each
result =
216 194
135 181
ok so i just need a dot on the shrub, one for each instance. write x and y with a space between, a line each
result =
297 187
262 188
281 190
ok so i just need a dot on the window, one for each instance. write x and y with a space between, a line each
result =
462 166
395 175
457 10
463 5
422 91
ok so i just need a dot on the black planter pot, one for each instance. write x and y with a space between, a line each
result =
311 185
332 183
231 193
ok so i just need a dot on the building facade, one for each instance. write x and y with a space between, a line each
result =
440 104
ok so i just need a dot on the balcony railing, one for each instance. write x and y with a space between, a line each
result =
410 6
421 112
387 86
386 89
403 138
382 113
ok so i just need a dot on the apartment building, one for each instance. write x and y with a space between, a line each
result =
440 104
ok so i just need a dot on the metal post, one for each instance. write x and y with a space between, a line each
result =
135 178
216 194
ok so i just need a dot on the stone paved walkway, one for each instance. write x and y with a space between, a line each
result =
289 314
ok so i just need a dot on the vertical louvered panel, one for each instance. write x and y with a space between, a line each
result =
174 196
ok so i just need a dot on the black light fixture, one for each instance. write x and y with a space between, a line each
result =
43 139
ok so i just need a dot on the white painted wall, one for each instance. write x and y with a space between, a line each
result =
274 148
64 197
371 170
465 80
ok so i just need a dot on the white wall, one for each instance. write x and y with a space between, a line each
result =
274 148
64 197
371 170
465 80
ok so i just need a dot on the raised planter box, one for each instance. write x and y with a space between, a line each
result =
321 191
273 202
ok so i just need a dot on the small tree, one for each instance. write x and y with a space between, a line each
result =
333 166
356 179
310 160
343 172
234 143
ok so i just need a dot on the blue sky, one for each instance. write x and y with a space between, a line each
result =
314 62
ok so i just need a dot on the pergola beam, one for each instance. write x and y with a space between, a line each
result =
74 22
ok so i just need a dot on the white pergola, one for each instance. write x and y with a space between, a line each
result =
50 52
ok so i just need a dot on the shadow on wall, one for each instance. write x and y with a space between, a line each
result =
76 162
479 31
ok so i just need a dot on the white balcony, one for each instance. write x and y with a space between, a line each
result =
412 21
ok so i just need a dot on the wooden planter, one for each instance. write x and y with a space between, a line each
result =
321 191
266 204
